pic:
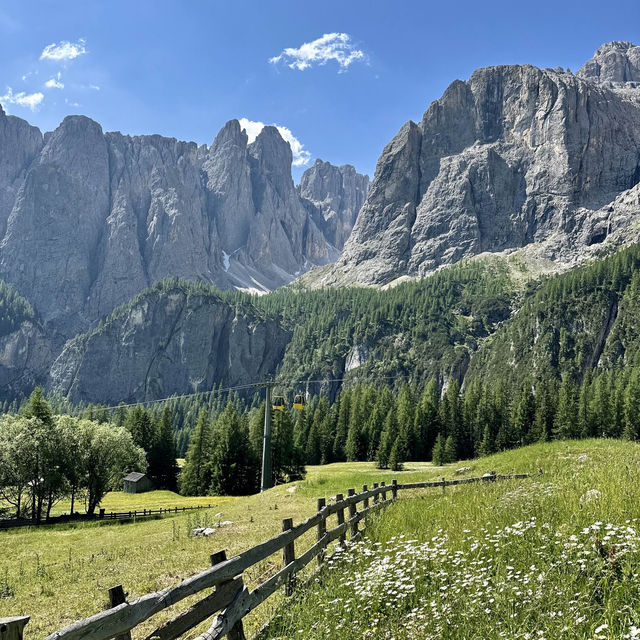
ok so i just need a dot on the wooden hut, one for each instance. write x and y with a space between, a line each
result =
136 482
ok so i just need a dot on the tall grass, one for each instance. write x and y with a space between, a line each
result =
555 556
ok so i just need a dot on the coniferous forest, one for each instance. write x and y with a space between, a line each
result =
450 373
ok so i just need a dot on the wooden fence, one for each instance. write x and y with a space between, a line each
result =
102 515
230 595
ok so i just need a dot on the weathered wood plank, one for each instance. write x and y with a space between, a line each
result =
199 612
340 513
288 556
353 511
118 596
13 628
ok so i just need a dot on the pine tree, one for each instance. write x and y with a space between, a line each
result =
427 423
450 450
487 446
632 407
233 470
395 457
38 407
523 418
195 478
438 455
566 419
387 440
164 469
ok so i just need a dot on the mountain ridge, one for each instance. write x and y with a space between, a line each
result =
511 157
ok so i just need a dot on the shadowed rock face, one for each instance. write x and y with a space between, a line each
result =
166 343
88 220
514 156
334 196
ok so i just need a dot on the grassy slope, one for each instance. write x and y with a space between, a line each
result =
120 501
520 559
62 574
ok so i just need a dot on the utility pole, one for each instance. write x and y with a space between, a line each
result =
266 441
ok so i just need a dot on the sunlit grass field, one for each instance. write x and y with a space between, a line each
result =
119 501
552 556
59 574
62 574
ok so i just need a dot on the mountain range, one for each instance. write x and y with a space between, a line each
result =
536 169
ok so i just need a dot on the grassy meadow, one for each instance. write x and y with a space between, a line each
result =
553 556
60 574
530 559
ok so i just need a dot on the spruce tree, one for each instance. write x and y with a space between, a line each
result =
438 455
450 450
395 456
566 419
38 407
234 471
163 466
195 478
487 446
632 407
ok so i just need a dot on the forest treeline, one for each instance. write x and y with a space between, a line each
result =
566 365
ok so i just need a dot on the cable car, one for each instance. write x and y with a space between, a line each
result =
278 403
298 402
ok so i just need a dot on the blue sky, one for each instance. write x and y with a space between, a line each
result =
182 68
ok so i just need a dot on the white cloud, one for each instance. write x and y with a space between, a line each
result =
30 100
63 50
331 46
54 83
300 155
95 87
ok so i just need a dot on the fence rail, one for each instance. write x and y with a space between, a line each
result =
101 515
230 596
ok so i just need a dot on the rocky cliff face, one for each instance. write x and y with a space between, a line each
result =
615 64
334 196
88 220
170 340
514 156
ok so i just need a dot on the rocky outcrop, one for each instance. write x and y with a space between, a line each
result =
615 64
88 220
334 196
170 340
514 156
25 356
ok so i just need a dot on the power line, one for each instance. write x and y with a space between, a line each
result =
244 387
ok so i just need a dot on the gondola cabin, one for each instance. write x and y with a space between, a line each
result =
278 403
298 402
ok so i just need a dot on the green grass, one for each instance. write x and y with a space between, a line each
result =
62 574
517 559
121 501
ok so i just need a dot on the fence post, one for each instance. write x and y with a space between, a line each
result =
13 628
322 529
288 556
394 489
366 500
384 493
101 516
353 512
237 631
444 486
376 498
118 596
340 514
